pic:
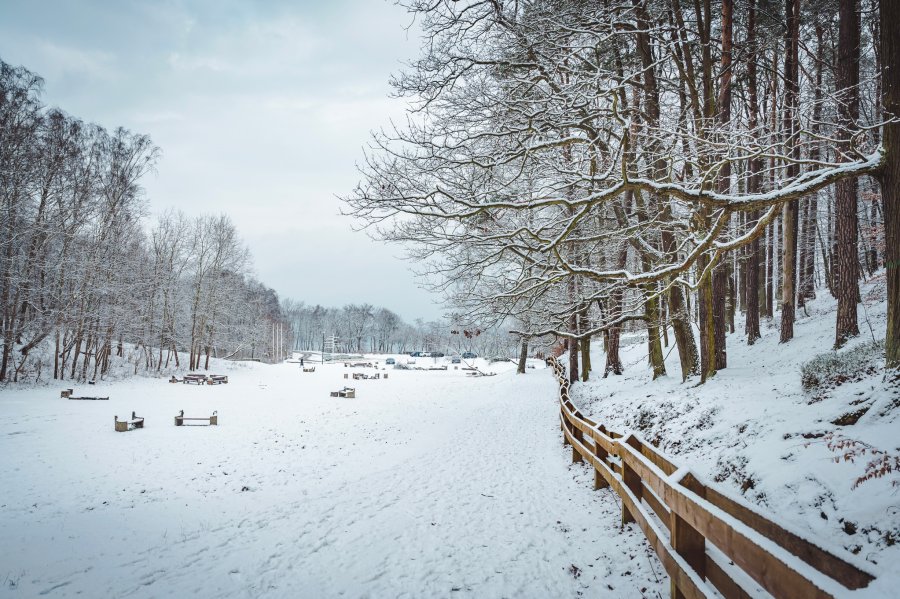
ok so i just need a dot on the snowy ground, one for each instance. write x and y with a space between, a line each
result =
754 432
429 484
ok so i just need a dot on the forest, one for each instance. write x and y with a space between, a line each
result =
83 275
587 167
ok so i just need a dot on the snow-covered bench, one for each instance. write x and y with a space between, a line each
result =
210 421
348 392
128 425
359 376
67 394
217 379
196 379
310 369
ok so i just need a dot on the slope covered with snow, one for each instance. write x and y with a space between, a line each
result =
754 431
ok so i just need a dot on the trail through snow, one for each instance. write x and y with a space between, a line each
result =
429 484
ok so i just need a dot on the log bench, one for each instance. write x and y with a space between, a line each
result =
348 392
128 425
67 394
210 421
217 379
194 379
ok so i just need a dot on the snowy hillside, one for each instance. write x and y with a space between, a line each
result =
755 431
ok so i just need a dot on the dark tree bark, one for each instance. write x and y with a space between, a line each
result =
890 178
753 185
846 263
723 104
790 216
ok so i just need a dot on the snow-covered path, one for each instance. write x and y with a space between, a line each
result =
428 484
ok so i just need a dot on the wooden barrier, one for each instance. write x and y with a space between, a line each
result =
704 539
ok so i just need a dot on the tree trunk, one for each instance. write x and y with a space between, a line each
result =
791 209
890 180
585 359
752 267
523 355
684 336
845 262
723 104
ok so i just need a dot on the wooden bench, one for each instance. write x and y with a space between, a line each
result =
348 392
128 425
67 394
210 421
217 379
310 369
195 379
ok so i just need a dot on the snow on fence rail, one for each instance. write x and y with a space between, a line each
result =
703 538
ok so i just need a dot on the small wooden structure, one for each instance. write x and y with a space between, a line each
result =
310 369
174 379
210 421
128 425
348 392
217 379
67 394
360 376
194 378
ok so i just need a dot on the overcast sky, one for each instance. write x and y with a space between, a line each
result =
261 110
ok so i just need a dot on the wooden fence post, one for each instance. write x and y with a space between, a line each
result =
579 436
686 540
632 480
599 480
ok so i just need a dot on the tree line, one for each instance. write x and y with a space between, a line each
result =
82 279
364 328
662 164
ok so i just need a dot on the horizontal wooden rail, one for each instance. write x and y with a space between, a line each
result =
703 538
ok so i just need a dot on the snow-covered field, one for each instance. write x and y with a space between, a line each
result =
428 484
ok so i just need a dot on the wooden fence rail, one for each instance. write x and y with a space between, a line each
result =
703 538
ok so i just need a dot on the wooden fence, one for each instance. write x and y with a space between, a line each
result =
703 538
